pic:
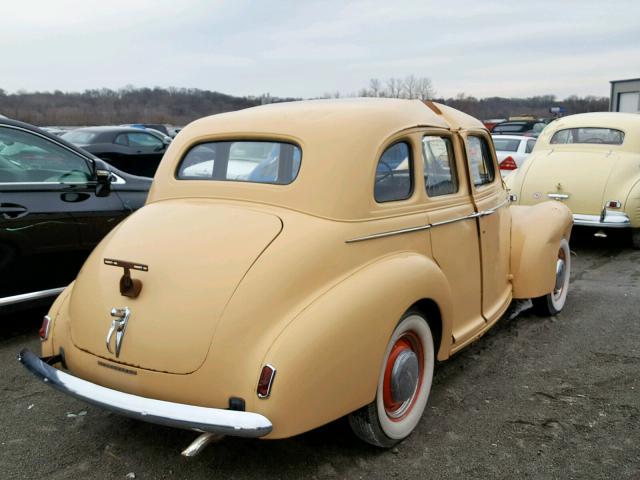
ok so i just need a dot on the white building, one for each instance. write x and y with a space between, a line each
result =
625 96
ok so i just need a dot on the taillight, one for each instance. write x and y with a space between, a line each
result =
508 164
614 204
266 381
44 328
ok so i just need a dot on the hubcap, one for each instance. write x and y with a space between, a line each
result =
561 272
403 376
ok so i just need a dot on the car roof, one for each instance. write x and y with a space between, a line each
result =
514 137
341 141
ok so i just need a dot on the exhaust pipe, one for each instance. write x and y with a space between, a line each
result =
200 443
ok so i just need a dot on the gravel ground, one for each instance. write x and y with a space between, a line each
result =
534 398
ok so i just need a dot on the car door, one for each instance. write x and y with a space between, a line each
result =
454 233
494 223
47 210
148 151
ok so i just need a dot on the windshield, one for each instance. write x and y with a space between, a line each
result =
607 136
244 161
78 137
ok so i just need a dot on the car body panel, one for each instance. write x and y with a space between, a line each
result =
319 299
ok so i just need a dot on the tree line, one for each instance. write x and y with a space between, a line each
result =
179 106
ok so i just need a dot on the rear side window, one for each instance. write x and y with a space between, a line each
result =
394 174
480 161
440 176
607 136
242 161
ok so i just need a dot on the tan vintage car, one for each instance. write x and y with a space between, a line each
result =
591 163
299 262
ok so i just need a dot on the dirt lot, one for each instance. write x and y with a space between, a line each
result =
535 398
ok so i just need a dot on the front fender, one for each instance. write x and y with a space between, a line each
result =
329 357
536 232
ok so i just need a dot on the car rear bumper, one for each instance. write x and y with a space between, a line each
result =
606 220
201 419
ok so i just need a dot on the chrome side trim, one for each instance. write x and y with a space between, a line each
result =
609 220
482 213
558 196
389 233
179 415
26 297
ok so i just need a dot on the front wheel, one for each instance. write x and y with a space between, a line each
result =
552 303
404 384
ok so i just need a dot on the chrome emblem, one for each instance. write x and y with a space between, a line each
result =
118 326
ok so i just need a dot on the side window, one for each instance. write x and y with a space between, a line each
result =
29 158
122 139
440 176
530 145
144 140
480 161
394 174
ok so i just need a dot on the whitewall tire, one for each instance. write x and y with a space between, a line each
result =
552 303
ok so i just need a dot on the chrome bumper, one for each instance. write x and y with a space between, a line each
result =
606 220
201 419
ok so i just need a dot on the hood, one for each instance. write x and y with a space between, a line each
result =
197 252
580 175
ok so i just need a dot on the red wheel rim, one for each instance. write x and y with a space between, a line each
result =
396 411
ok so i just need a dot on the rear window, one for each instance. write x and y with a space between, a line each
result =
242 161
506 145
606 136
82 138
511 127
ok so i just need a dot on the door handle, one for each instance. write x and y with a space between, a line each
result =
11 210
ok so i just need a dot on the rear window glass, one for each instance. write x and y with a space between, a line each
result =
242 161
394 174
511 127
79 137
607 136
506 145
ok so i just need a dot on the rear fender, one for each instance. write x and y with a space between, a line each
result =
329 357
536 232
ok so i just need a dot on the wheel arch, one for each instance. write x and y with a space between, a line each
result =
329 357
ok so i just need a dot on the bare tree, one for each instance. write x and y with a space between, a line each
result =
375 87
424 89
394 88
409 85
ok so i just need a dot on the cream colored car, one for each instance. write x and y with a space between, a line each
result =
591 163
371 238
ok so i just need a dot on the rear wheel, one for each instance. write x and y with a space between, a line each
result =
635 237
404 384
552 303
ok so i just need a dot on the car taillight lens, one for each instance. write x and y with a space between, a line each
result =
44 328
508 164
266 381
614 204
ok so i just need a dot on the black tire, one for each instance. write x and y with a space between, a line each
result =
552 303
635 237
380 424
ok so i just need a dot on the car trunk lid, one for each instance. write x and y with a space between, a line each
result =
197 252
578 178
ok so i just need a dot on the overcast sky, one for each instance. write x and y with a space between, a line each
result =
305 49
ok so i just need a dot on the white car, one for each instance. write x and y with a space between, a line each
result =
512 150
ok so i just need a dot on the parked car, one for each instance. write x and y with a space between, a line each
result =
159 127
512 150
348 271
590 162
132 150
530 128
56 203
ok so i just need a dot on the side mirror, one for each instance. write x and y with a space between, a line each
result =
103 182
